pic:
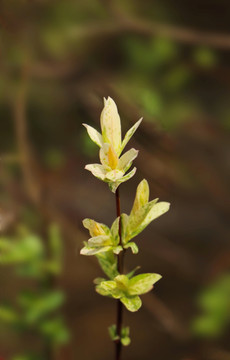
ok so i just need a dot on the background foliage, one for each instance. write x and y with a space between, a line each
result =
168 62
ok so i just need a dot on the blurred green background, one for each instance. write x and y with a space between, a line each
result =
167 61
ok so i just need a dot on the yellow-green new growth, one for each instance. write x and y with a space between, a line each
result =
128 290
113 166
102 238
107 243
142 214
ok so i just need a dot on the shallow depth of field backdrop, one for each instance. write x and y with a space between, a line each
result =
167 61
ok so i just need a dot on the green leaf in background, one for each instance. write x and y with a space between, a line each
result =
54 159
19 250
55 330
8 314
150 54
176 79
36 307
205 57
214 302
56 250
151 101
27 357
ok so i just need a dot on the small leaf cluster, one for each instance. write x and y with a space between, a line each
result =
106 243
35 311
128 290
113 166
125 339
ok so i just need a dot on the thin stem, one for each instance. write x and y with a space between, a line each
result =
120 266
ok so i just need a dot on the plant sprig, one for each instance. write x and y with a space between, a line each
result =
109 244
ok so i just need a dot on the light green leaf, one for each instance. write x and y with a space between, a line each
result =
156 211
125 341
117 249
131 303
108 285
137 218
108 263
142 196
122 282
142 283
95 228
115 231
114 175
98 280
93 251
126 159
124 224
113 332
129 134
97 170
101 291
109 288
146 214
98 241
131 273
132 246
125 331
114 185
127 176
111 124
94 135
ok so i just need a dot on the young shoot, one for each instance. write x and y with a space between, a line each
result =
109 244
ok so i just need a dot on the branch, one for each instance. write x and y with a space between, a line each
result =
143 27
179 34
165 316
19 109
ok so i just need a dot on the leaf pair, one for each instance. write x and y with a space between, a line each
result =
113 167
103 239
128 290
143 212
125 339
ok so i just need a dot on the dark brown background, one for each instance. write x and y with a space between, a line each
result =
167 61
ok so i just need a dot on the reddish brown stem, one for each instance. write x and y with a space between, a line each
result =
120 266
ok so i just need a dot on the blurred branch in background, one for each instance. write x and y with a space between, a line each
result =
124 23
